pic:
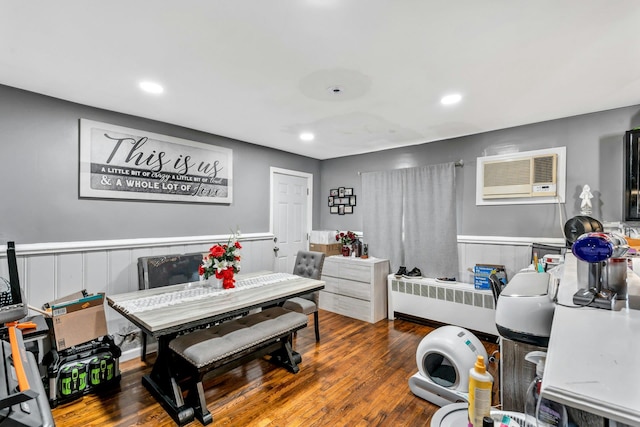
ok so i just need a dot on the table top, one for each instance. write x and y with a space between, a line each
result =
169 319
592 359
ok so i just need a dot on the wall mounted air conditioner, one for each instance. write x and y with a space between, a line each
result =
526 177
533 176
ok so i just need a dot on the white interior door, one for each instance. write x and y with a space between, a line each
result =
291 215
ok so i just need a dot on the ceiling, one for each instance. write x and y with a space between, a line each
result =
362 75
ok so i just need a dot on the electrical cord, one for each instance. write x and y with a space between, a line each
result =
593 298
561 220
128 337
577 305
555 298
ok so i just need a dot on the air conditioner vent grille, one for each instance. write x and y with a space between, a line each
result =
543 169
515 172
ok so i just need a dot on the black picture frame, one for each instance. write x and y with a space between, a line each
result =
341 200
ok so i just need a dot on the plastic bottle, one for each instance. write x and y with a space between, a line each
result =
541 412
480 388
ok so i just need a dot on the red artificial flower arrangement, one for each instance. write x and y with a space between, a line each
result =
222 261
346 238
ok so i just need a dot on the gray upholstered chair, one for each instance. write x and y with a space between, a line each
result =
308 264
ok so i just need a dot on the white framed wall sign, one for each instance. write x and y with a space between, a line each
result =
122 163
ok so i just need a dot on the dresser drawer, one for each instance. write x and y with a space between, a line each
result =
347 287
361 273
346 306
347 270
330 268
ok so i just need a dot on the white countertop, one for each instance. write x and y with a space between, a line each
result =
593 359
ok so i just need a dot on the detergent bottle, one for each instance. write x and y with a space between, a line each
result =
480 388
539 411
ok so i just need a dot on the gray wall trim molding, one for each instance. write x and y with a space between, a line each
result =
103 245
100 245
514 241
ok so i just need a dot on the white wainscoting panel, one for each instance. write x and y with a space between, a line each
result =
37 276
512 252
51 270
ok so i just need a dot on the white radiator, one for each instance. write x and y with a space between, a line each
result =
452 303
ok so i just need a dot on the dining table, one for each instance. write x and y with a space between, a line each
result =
168 311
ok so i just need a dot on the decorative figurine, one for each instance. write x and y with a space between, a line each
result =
586 197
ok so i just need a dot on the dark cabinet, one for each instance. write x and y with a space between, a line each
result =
631 175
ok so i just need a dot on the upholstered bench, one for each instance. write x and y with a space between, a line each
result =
225 346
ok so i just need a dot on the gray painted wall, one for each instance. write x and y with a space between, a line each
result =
39 177
594 156
39 149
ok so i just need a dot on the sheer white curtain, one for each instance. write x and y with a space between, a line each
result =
430 231
382 215
409 217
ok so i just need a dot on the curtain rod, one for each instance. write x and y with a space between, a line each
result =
458 164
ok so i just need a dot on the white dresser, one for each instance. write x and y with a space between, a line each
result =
355 287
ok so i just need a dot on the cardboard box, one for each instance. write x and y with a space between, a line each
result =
78 321
324 237
481 273
74 296
328 250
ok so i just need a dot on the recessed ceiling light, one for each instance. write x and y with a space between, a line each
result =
454 98
151 87
307 136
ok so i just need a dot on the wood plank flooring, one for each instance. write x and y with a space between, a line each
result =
356 376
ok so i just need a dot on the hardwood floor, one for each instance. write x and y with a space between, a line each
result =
356 376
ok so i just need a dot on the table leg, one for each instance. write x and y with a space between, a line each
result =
164 386
286 357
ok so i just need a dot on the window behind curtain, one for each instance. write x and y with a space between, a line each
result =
410 218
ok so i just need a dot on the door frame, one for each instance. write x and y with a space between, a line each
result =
309 177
